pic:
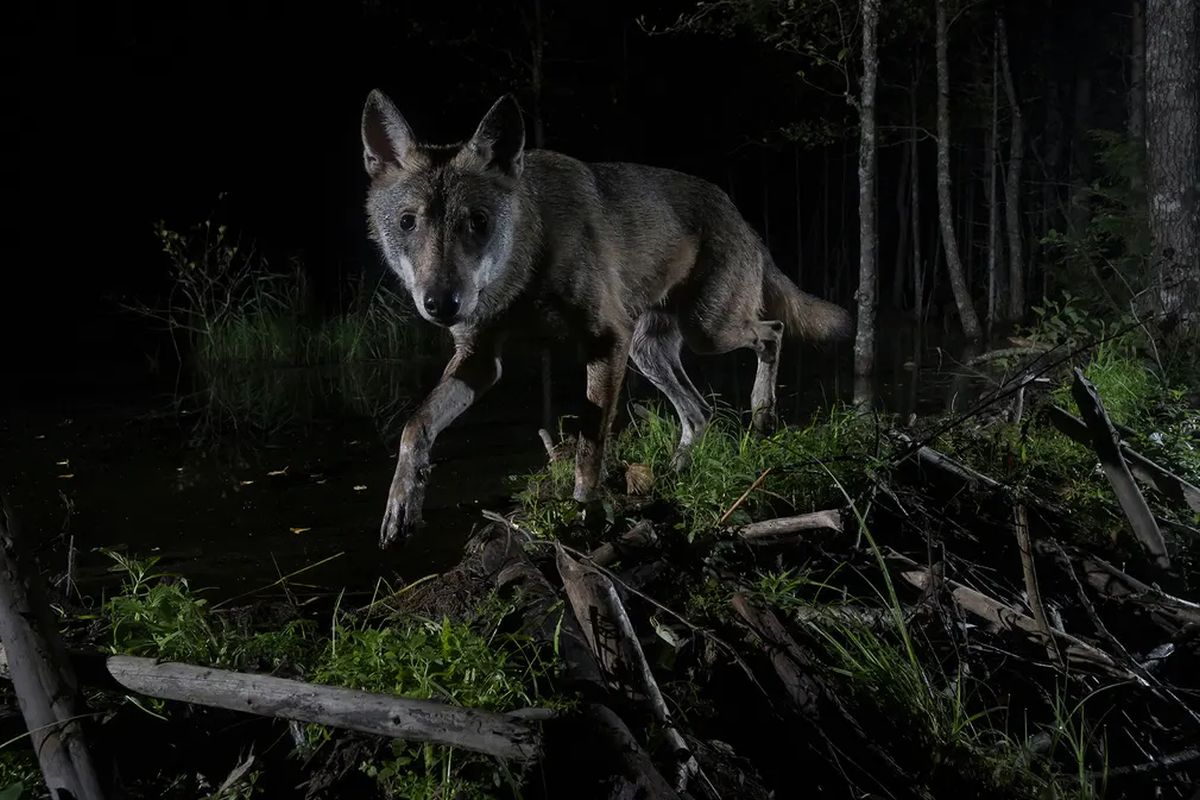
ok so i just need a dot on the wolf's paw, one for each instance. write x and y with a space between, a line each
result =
403 513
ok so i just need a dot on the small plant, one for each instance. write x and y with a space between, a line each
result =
473 664
158 615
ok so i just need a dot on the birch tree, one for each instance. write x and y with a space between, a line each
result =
864 341
958 282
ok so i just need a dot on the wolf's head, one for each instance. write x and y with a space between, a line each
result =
444 215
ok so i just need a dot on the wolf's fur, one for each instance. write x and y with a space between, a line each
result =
630 261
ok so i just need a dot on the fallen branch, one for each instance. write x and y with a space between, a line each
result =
619 652
504 558
637 538
1007 618
786 656
785 529
1108 448
940 462
1007 352
1170 612
1028 570
632 773
513 736
42 676
1167 483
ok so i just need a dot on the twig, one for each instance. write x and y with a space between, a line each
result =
1024 546
757 482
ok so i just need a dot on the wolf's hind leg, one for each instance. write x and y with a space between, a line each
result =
655 351
767 337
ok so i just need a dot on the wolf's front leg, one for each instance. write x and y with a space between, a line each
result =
605 372
474 369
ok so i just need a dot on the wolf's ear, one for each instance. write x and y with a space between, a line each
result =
499 141
385 134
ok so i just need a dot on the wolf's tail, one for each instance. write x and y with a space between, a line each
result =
803 316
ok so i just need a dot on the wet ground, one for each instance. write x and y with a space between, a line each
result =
238 478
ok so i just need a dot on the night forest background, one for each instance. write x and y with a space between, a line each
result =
124 114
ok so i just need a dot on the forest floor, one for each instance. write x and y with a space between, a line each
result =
979 604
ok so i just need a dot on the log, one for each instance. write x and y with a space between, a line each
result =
1108 447
45 684
640 537
634 774
940 462
1007 618
786 656
790 529
505 560
616 647
511 736
638 777
1168 484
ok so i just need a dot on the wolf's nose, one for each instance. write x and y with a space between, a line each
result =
442 306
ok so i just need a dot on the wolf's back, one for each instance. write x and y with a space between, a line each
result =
803 315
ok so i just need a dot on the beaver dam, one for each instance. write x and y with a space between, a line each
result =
997 601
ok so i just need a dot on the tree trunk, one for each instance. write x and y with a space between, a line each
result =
1080 172
1173 121
797 185
954 267
1137 89
864 341
993 287
43 679
1012 185
902 194
914 188
546 363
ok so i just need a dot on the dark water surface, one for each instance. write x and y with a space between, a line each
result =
236 479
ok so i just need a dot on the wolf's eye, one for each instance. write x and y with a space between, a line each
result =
478 222
408 221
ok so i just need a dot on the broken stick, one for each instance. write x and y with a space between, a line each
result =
42 677
1108 447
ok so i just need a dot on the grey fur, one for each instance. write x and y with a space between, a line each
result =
631 261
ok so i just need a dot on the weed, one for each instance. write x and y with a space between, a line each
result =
473 663
728 458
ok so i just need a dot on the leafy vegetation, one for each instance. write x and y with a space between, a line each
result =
476 662
226 305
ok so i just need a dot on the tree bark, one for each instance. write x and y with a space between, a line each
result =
864 341
914 188
1012 185
500 735
954 267
993 287
1108 448
1137 88
43 679
1173 159
902 220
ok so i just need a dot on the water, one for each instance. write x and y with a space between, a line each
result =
239 478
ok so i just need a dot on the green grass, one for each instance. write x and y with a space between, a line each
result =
475 662
805 462
729 457
226 305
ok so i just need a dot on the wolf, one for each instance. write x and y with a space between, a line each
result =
630 262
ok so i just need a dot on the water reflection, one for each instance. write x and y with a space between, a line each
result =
238 475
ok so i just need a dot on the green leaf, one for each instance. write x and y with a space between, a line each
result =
14 791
